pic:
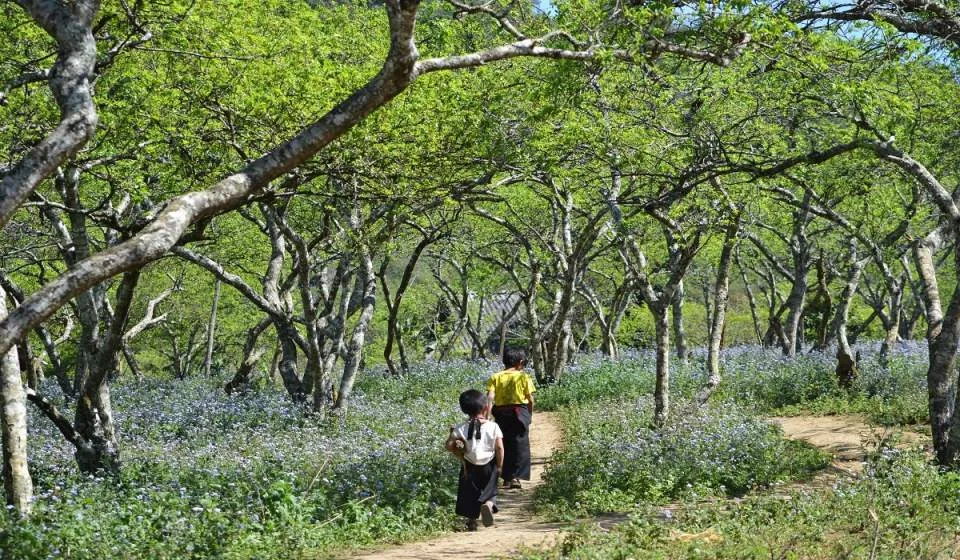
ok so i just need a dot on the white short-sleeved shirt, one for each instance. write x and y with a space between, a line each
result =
480 451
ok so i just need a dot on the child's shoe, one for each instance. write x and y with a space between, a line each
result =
471 525
515 484
486 513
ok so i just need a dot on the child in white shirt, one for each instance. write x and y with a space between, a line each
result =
478 443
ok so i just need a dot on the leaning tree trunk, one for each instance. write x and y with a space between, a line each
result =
29 365
661 392
751 300
17 484
251 355
823 307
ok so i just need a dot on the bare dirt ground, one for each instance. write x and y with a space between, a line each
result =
847 437
515 526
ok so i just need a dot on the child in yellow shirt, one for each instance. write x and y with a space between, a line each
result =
511 393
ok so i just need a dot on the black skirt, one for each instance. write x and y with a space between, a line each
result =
478 484
514 421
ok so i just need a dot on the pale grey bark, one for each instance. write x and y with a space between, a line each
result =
355 349
846 368
70 80
894 285
721 295
788 333
928 19
800 252
609 319
211 329
659 298
661 391
46 338
751 298
458 299
150 318
93 418
178 214
822 305
17 484
251 355
679 333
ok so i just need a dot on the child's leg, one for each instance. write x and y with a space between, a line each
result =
488 494
513 436
469 492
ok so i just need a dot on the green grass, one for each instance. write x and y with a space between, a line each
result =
902 508
613 461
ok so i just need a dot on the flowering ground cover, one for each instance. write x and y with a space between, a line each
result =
765 381
901 508
250 476
614 461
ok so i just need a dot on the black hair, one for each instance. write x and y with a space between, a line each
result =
514 357
472 402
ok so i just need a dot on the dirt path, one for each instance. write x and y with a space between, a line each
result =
848 437
515 524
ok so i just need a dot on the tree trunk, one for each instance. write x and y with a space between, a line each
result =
131 360
609 345
846 369
393 307
17 483
251 355
824 305
661 393
211 329
29 365
56 362
794 304
93 419
943 334
751 300
355 349
288 362
680 335
892 324
721 291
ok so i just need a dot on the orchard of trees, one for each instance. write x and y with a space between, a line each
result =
311 192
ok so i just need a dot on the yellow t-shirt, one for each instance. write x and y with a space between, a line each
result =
510 387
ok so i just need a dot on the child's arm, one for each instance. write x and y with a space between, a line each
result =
530 402
498 454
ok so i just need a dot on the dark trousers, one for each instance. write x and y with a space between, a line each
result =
478 484
514 422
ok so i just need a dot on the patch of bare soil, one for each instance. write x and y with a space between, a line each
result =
849 438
